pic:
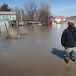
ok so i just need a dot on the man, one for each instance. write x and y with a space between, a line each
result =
68 41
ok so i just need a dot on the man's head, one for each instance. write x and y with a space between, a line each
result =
70 23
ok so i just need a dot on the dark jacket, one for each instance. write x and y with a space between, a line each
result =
68 38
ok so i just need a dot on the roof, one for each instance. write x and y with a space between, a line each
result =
7 13
59 16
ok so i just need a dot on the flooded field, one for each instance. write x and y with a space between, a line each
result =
39 54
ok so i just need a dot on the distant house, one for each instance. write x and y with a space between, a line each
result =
6 15
58 19
5 12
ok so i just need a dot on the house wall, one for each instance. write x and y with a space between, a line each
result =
10 15
58 20
5 15
64 19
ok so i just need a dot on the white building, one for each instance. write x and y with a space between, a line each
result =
58 19
6 15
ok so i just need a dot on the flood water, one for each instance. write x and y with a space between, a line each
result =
39 54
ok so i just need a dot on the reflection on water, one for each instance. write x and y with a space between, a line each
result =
59 26
29 28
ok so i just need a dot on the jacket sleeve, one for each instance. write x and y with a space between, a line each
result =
63 38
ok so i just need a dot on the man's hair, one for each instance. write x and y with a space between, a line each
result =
70 23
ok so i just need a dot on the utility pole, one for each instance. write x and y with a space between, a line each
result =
21 14
6 29
21 19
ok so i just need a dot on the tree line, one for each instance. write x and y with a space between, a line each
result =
31 11
37 13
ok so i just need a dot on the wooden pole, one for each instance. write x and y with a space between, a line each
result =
6 28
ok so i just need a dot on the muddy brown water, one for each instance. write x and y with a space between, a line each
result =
39 54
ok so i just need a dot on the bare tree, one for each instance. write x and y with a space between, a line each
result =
34 14
5 7
30 9
44 13
17 13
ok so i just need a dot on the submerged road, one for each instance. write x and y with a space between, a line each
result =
39 54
